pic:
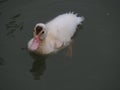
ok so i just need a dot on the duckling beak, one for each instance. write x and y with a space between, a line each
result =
35 43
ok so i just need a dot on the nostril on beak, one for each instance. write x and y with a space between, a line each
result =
38 30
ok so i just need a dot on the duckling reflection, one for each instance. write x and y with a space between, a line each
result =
38 66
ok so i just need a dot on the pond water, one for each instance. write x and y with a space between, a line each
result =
95 64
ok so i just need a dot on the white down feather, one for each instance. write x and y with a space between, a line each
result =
59 32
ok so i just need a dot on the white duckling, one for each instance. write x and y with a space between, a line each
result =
55 34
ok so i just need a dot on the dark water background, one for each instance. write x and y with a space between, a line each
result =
95 64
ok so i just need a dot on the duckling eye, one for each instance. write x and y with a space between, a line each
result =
38 29
42 32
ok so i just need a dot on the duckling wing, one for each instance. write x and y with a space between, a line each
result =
64 26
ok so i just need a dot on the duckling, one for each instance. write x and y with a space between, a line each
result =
55 34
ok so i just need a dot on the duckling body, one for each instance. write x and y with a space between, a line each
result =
57 34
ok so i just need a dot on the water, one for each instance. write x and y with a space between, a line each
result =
95 63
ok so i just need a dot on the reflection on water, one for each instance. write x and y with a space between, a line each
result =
16 16
2 61
14 24
38 66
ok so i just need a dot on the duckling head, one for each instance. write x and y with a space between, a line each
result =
40 33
